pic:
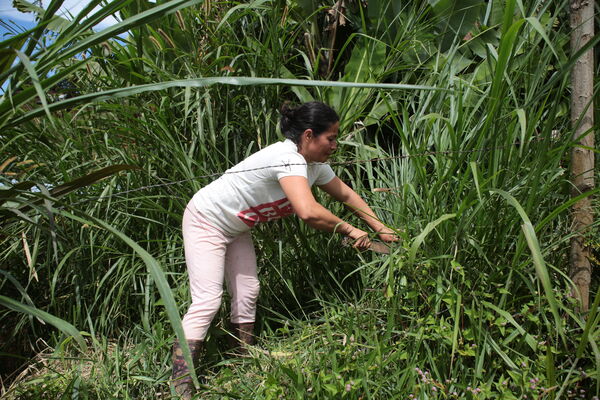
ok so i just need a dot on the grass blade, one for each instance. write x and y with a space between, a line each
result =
60 324
36 82
590 324
538 259
419 239
206 82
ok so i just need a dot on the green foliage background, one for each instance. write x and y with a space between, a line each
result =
460 141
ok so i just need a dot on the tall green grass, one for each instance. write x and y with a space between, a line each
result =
473 303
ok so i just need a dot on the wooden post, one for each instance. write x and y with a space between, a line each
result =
582 159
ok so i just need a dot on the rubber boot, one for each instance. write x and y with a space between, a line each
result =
243 336
181 376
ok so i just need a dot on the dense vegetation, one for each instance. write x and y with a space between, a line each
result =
459 137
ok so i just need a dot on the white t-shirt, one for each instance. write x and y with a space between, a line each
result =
249 192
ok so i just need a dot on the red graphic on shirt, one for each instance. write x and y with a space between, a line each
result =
266 212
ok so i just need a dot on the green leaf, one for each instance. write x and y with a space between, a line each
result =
538 260
60 190
502 354
591 324
542 272
60 324
206 82
419 239
508 317
55 23
36 81
90 179
535 23
456 19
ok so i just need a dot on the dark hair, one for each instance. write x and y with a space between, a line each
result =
312 115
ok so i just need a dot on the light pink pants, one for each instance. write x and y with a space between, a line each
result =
211 256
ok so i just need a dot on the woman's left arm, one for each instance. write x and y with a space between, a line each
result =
337 189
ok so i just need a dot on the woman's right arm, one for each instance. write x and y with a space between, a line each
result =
298 192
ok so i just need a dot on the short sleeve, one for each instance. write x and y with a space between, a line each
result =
324 174
290 165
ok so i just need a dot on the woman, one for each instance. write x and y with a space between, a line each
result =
272 183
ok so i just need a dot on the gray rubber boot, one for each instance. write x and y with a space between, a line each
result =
243 336
181 377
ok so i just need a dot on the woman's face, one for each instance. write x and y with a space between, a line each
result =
319 148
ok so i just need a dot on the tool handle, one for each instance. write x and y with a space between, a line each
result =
376 245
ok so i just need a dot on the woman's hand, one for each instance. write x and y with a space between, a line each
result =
360 239
342 192
387 235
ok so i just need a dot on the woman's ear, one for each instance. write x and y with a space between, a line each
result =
308 134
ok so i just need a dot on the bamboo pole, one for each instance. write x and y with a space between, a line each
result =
582 155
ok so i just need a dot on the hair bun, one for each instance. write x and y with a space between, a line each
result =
287 110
